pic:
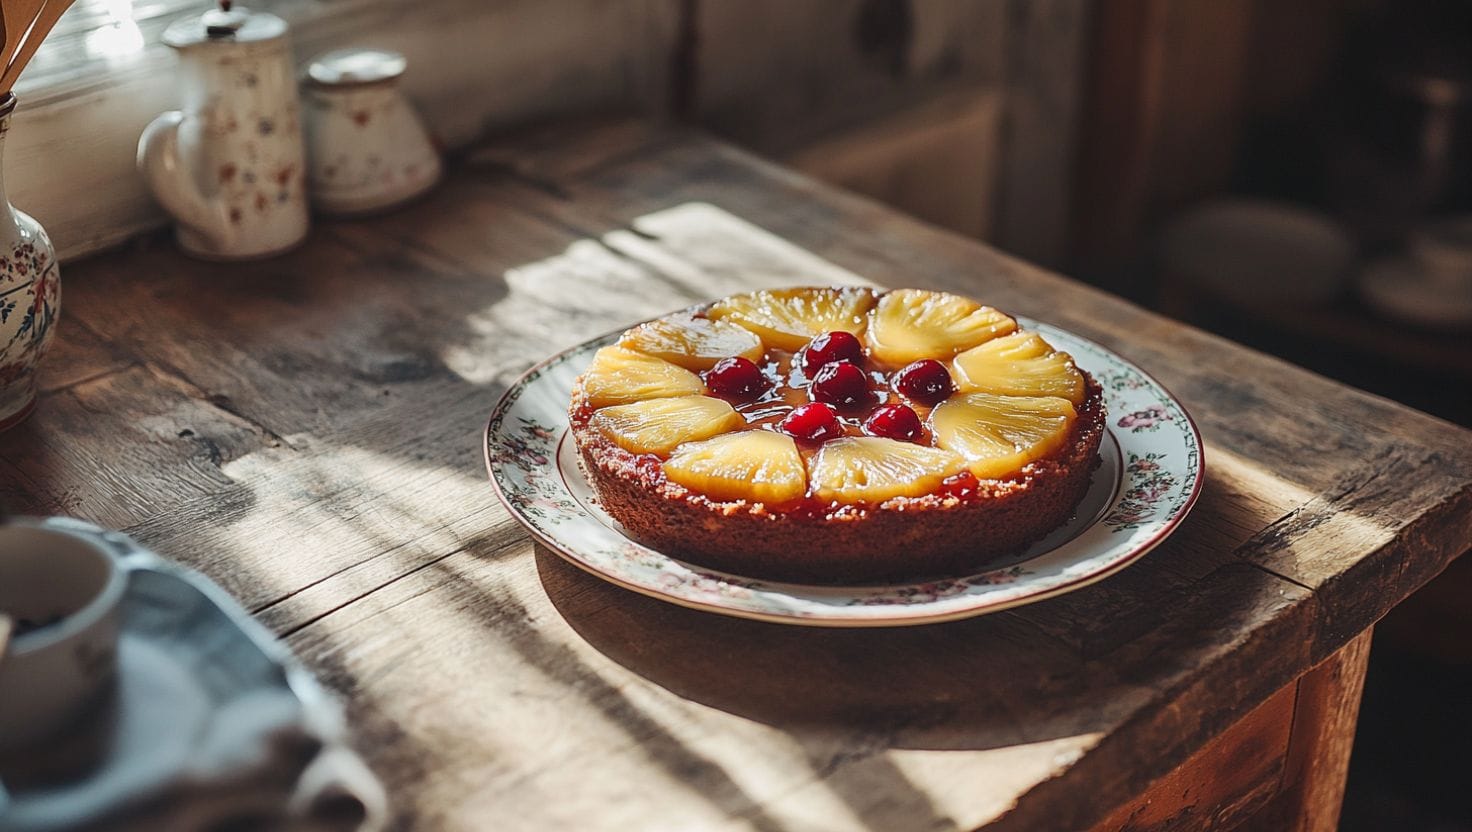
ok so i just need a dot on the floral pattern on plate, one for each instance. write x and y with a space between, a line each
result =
1130 507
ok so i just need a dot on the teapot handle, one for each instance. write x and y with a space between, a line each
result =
172 181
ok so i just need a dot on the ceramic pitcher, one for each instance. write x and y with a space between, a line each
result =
230 166
30 298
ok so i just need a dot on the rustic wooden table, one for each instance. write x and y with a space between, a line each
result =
306 431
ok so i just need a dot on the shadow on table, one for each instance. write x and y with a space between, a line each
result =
908 686
903 802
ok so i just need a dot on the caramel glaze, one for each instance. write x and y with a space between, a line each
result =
788 388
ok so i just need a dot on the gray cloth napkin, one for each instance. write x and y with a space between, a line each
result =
211 724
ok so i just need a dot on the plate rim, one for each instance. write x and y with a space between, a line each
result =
919 616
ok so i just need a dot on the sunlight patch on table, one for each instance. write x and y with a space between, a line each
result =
733 253
333 521
1311 532
955 782
676 257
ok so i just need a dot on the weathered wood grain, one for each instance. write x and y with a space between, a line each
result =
123 447
79 356
306 431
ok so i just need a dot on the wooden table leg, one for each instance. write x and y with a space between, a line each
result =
1280 767
1323 734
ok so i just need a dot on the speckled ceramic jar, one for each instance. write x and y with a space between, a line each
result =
230 164
367 147
30 298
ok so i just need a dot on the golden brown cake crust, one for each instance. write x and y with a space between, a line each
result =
901 539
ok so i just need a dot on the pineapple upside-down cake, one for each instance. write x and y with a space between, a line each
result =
837 435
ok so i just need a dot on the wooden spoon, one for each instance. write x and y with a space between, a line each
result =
45 17
19 15
4 40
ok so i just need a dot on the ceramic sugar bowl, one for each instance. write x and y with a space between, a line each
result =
30 298
368 149
230 166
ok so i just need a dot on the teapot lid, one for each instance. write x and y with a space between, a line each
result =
228 23
354 67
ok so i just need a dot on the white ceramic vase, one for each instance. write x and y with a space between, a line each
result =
30 297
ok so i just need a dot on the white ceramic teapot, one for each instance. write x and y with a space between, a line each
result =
230 166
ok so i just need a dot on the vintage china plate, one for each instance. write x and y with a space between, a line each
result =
1149 478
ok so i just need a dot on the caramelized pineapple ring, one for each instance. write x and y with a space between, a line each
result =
871 469
788 318
620 376
756 465
658 426
912 324
1020 364
691 342
998 435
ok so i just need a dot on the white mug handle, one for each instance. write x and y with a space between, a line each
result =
172 182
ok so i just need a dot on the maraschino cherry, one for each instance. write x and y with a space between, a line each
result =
841 384
893 421
925 381
812 422
735 378
830 348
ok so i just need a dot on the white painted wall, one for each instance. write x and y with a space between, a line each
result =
474 66
786 77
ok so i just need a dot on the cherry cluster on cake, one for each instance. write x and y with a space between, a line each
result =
841 384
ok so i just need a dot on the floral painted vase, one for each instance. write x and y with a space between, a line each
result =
230 164
30 298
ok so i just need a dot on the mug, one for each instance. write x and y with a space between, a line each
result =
63 592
